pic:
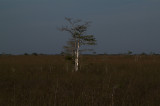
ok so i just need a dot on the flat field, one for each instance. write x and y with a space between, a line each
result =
103 80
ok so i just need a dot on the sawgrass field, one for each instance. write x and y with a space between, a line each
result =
102 80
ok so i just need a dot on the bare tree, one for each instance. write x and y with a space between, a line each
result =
77 29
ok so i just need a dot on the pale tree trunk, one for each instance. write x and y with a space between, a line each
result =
77 56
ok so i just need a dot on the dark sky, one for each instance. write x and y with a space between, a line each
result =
119 25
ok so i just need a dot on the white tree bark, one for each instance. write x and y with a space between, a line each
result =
77 56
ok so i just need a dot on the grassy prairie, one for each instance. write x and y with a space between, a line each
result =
102 80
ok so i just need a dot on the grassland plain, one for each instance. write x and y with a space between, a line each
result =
103 80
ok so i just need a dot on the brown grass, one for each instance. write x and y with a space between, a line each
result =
102 80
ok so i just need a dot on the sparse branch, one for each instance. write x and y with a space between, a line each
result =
65 28
88 40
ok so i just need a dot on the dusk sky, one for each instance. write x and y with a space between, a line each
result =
28 26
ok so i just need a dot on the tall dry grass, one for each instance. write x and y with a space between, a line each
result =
101 81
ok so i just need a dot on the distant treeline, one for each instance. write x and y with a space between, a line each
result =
38 54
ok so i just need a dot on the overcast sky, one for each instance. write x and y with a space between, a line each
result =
119 25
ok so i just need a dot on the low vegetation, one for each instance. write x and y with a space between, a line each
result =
102 80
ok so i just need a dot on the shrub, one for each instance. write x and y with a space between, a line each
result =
35 54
